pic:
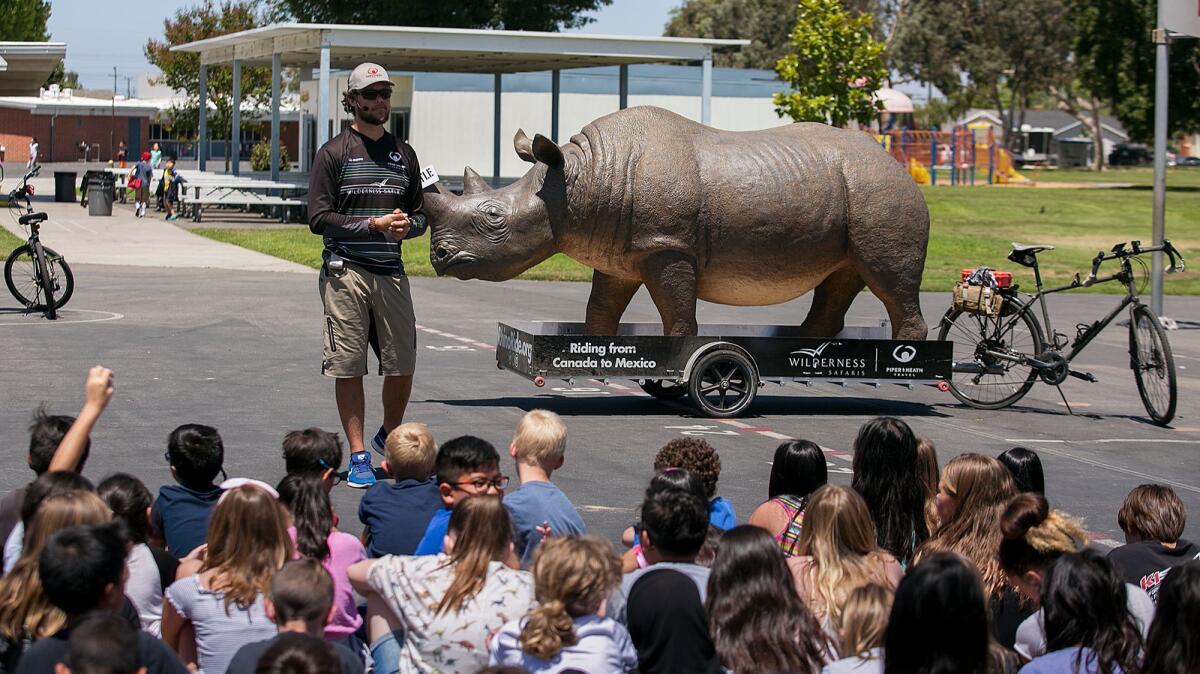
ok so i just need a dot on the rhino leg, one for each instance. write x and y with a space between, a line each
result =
902 299
608 300
671 279
831 301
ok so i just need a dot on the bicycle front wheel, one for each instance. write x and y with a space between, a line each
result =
999 382
24 280
43 269
1153 365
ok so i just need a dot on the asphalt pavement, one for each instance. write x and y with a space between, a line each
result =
240 349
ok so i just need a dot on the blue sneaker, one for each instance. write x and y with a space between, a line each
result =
378 441
361 475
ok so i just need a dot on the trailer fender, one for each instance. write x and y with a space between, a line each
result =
698 353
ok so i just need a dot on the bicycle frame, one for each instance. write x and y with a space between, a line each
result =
1125 276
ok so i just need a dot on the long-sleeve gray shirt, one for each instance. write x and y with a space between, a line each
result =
355 178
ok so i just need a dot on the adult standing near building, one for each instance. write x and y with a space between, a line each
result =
365 198
33 153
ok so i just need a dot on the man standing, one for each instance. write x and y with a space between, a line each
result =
365 198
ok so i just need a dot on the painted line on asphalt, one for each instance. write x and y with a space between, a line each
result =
1162 440
63 319
465 340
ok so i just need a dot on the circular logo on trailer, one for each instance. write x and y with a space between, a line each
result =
395 156
904 353
372 71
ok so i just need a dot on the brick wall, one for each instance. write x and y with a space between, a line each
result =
18 126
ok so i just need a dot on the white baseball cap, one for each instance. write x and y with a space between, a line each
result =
365 75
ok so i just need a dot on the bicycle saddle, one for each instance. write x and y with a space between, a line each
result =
33 218
1032 248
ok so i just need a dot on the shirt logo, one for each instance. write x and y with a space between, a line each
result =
395 156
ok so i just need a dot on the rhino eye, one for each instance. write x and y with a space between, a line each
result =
492 221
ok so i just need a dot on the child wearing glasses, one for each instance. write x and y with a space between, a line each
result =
313 452
538 448
396 512
465 466
180 514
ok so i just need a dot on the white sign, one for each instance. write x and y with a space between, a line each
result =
1181 16
429 176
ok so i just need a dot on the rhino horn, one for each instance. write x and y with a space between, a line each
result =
473 183
524 146
439 188
547 152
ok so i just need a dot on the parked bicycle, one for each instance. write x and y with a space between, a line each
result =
37 276
1000 348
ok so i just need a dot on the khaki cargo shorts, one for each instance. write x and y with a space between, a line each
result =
362 308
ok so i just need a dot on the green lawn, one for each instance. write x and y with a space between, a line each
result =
8 241
970 226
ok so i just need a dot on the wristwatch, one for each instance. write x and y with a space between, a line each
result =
371 225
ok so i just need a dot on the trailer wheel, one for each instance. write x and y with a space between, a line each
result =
723 383
663 389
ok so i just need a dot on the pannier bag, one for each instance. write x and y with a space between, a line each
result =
979 291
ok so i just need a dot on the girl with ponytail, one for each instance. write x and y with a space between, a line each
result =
1034 538
312 532
572 577
448 604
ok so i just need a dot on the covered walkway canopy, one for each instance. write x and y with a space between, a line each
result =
25 66
404 48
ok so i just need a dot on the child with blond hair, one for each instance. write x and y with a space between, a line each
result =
538 448
395 513
572 577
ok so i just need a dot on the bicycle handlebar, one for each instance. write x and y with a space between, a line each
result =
22 192
1119 252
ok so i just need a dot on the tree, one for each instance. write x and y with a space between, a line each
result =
1113 43
754 20
24 20
181 70
67 79
834 68
543 15
992 52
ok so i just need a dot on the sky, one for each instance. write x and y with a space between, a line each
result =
99 40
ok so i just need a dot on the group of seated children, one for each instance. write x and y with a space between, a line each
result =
910 568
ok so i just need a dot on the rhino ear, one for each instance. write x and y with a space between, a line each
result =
547 152
473 183
524 146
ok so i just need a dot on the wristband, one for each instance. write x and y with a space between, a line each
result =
371 225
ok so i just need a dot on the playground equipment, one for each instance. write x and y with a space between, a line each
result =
966 154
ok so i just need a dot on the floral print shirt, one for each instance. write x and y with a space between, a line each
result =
453 642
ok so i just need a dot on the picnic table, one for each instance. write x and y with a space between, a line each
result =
205 189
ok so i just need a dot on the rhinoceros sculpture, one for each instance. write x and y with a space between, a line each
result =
647 197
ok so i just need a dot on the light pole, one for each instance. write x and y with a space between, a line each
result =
112 120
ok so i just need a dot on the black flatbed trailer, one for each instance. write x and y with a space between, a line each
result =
721 368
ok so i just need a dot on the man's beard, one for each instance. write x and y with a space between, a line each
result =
369 117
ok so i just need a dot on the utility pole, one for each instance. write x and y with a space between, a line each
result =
127 90
112 123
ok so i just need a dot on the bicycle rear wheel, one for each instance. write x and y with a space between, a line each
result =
25 282
1001 382
1153 365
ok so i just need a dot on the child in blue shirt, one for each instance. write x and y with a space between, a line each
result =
538 447
466 466
180 514
395 514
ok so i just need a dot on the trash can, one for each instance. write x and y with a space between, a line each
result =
100 193
64 187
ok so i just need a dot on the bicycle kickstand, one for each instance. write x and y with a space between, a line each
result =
1064 399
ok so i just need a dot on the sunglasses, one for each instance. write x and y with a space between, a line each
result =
372 94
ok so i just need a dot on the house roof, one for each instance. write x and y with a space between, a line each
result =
1055 121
